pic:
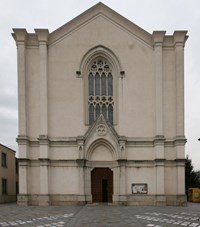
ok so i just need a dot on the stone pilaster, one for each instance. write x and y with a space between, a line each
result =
20 36
23 182
88 193
43 35
180 166
160 168
81 167
44 170
180 38
158 37
122 181
179 43
160 182
44 183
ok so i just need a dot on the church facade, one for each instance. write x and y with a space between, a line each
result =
101 113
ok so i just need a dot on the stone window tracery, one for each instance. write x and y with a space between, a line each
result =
100 94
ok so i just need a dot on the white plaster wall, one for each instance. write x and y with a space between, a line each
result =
34 152
63 153
101 153
141 175
66 101
170 153
64 180
140 153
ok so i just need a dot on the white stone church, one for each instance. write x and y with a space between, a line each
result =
101 113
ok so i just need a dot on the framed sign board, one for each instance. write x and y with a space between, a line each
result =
139 189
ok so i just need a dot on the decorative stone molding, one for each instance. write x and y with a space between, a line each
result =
23 161
43 140
158 37
80 141
180 161
122 162
78 74
44 161
20 35
122 74
23 140
103 52
180 38
42 35
159 162
180 140
81 162
101 130
159 140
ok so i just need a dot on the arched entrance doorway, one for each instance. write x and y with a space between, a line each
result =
102 185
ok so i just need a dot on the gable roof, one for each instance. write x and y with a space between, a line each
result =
3 147
100 10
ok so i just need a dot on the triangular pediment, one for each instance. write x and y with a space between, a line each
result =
101 133
103 11
101 128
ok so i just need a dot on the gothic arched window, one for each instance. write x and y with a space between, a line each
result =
100 91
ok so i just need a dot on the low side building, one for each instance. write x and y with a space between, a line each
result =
8 177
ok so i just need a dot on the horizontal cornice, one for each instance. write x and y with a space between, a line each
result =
128 141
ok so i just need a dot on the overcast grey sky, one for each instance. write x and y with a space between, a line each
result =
150 15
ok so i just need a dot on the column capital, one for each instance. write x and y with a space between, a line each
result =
122 162
158 37
180 38
80 140
42 35
19 35
81 162
159 140
22 140
23 161
44 161
43 140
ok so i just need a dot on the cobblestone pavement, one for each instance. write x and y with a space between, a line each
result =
99 216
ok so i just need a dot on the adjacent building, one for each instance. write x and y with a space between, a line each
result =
101 113
8 175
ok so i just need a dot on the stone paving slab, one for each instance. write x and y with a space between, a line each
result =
99 215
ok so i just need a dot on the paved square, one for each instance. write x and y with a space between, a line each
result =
99 215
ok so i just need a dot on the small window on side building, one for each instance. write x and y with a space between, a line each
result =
4 186
3 160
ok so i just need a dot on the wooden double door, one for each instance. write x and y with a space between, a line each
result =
102 185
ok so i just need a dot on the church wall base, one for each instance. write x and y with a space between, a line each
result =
176 200
157 200
137 200
68 199
46 200
22 200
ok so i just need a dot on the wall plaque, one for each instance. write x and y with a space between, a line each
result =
139 189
